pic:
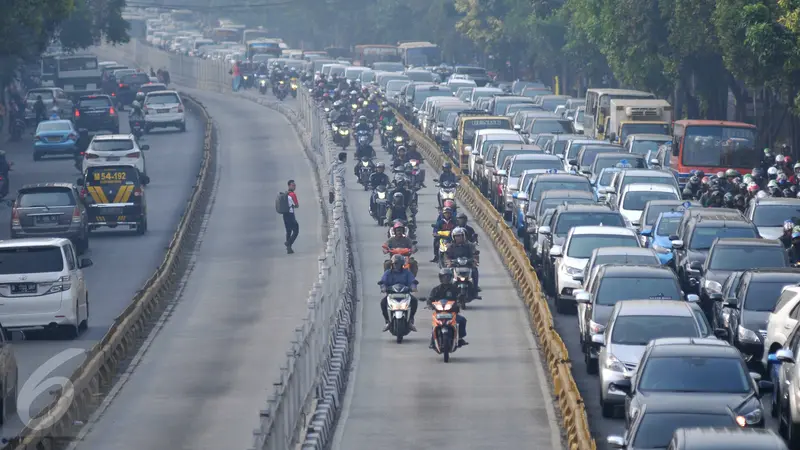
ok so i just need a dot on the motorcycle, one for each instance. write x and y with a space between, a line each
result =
381 204
398 303
410 262
365 170
341 136
262 84
445 328
415 175
447 191
386 134
397 141
363 138
137 128
293 87
462 276
281 93
17 129
443 236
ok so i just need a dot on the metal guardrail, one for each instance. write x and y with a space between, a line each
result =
312 381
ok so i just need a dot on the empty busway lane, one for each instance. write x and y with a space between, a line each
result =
122 260
211 368
492 394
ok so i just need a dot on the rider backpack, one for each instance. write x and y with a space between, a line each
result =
282 203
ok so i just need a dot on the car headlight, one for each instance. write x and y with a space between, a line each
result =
571 271
712 286
662 250
614 364
747 335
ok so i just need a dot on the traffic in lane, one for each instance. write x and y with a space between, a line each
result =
493 392
123 261
208 372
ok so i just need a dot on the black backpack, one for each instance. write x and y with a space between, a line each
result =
282 203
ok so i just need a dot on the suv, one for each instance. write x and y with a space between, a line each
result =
725 438
769 213
115 149
163 109
781 321
43 286
96 113
52 210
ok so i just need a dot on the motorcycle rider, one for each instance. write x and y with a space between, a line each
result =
786 237
400 188
136 109
399 210
461 221
400 160
363 125
446 290
447 174
386 118
444 222
461 248
399 131
343 115
378 178
794 250
398 240
39 109
398 275
412 152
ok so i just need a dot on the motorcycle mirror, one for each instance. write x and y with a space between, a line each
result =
145 147
435 180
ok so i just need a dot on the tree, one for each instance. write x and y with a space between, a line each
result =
91 21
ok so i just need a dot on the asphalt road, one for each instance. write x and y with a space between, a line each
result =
211 368
122 260
492 394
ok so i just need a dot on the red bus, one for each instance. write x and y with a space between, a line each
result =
712 146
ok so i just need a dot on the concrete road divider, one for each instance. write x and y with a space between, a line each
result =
78 396
573 411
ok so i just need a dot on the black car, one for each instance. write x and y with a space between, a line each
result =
734 255
129 85
96 113
686 370
753 300
721 312
786 388
726 438
587 154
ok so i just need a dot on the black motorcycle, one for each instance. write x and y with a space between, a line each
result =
381 201
365 170
262 84
462 278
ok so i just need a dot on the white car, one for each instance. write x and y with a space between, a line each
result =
115 149
163 109
635 196
782 320
572 257
42 286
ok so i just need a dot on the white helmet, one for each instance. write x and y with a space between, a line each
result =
779 159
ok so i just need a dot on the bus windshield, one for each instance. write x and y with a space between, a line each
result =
720 146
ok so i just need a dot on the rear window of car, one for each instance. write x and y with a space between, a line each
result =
136 78
45 197
54 126
112 145
567 221
46 95
30 260
96 102
152 88
162 98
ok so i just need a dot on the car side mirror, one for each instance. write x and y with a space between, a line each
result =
785 356
502 173
765 386
612 137
696 265
586 172
578 278
598 339
449 130
730 302
615 441
435 180
692 298
453 134
573 162
647 232
145 180
517 127
85 262
677 244
715 297
623 385
556 250
144 147
561 157
79 181
545 230
601 129
521 196
479 160
654 162
721 334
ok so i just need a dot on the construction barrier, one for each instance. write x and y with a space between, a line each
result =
573 411
62 420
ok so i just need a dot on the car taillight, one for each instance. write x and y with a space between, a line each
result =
137 192
15 217
112 111
180 109
77 113
121 85
90 156
113 94
73 136
76 215
132 155
84 192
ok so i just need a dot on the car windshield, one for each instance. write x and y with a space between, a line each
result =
774 215
419 97
54 126
162 99
656 429
636 200
629 161
694 374
643 147
583 245
669 180
533 164
612 290
606 176
668 226
555 202
567 221
762 295
639 330
747 257
631 260
552 104
579 119
551 126
591 152
655 210
559 146
98 102
543 186
45 197
25 260
703 237
112 145
504 155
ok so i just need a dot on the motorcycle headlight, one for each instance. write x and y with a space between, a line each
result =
366 103
245 77
389 128
381 195
281 82
344 132
294 86
365 163
335 128
447 196
398 139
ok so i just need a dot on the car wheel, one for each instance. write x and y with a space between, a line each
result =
84 325
37 156
141 227
182 127
607 409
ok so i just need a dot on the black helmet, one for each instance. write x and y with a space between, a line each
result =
445 276
380 166
446 167
462 218
397 197
398 261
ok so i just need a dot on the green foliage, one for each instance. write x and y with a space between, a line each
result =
26 26
91 21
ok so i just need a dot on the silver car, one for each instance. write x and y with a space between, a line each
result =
634 323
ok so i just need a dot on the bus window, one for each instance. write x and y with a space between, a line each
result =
720 146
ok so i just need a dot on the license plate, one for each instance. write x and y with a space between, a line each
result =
53 139
164 110
112 158
110 211
23 288
46 219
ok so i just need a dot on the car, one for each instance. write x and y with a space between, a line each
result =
615 160
554 181
631 325
582 163
781 321
115 196
602 181
769 213
655 425
573 146
658 236
514 167
730 255
163 109
630 256
784 404
523 180
496 168
50 210
726 438
115 149
152 87
687 370
613 283
571 258
646 176
51 97
129 85
653 208
55 137
642 144
533 239
96 113
43 286
559 143
748 309
631 202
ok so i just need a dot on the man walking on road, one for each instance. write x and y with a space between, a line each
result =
289 219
